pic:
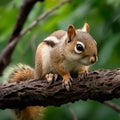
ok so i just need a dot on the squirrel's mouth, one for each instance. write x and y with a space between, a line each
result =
89 60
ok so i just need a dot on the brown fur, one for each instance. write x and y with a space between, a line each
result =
90 45
58 34
26 75
30 113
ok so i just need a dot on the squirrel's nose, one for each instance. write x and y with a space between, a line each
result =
93 59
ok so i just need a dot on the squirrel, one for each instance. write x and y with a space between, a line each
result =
63 53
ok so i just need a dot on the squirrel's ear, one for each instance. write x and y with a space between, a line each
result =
71 32
86 28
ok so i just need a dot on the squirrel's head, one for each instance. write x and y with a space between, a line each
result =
80 46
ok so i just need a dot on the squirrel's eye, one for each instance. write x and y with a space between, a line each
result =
79 47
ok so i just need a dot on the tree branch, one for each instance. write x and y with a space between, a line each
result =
26 7
100 85
5 56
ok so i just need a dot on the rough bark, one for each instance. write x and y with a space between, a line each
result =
100 85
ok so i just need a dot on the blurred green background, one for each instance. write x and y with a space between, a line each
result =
103 17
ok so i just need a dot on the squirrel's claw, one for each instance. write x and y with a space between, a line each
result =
67 83
51 77
81 75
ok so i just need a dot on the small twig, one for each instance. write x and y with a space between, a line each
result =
44 15
112 105
26 7
74 117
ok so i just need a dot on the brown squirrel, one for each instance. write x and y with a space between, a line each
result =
62 52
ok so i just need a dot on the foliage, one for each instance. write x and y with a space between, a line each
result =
104 19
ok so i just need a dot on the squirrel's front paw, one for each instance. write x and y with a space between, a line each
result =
67 83
51 77
81 75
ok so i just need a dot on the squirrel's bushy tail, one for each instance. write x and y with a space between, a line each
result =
20 72
23 72
30 113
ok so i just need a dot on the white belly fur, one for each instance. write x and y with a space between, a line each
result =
46 58
72 66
